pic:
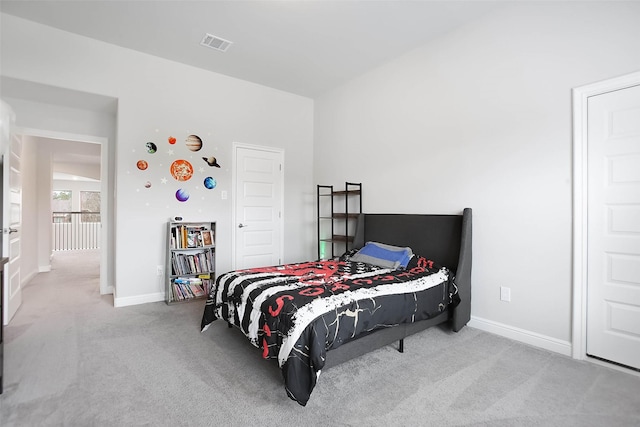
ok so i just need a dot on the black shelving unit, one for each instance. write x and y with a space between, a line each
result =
338 211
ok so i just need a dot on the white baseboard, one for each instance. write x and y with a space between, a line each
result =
139 299
26 279
517 334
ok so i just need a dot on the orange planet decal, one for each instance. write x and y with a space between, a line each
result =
142 165
172 140
181 170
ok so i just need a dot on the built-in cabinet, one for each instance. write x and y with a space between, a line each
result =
338 211
191 260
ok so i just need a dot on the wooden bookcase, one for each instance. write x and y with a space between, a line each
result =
190 265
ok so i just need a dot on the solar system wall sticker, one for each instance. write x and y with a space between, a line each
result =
181 169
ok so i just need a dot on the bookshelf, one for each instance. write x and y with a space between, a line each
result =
191 256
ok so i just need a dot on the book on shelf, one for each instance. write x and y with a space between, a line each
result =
206 282
189 287
192 240
191 236
206 238
183 236
197 290
192 263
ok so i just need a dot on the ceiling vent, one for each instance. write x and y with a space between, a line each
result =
215 42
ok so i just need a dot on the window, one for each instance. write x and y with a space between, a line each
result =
90 202
61 203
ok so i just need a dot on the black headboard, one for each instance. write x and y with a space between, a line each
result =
445 239
433 236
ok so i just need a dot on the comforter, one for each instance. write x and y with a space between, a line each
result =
295 313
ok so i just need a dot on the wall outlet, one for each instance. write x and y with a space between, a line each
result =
505 294
160 270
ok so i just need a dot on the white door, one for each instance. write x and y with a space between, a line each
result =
613 259
11 217
258 195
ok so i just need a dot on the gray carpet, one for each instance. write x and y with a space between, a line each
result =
71 359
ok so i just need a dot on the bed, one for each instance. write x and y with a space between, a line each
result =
314 315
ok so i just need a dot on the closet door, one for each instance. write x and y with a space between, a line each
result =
258 207
613 271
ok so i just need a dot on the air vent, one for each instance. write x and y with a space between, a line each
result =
215 42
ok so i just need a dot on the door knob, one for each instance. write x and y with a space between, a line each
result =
10 230
242 225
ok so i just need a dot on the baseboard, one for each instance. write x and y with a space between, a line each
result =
517 334
139 299
44 268
26 279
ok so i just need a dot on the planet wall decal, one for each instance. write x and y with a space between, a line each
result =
210 183
182 195
147 184
193 142
151 147
171 140
181 170
142 165
211 161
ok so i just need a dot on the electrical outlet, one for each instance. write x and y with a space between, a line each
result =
160 270
505 294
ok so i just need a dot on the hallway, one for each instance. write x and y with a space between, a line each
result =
52 305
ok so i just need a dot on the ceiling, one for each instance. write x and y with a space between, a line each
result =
74 160
304 47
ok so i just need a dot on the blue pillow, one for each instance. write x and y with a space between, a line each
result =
383 255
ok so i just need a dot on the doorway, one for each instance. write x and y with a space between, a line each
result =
606 311
76 159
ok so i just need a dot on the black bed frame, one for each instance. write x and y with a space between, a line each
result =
446 239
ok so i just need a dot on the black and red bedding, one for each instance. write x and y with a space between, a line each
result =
297 312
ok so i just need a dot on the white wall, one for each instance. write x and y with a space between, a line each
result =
59 118
158 98
481 118
29 236
42 195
